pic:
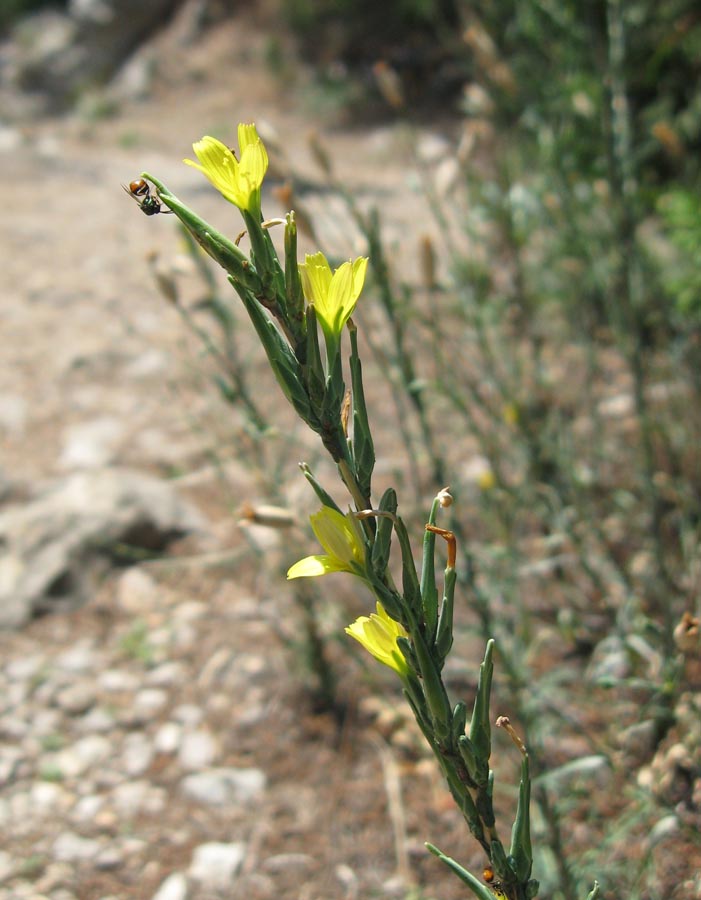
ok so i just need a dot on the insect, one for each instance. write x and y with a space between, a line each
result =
494 886
149 204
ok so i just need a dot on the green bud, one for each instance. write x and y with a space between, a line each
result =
429 590
293 286
499 861
521 851
444 635
459 720
480 727
469 757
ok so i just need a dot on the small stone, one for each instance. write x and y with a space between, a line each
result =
188 714
616 407
134 797
147 703
638 741
609 661
224 786
54 875
91 445
198 750
48 797
87 808
80 658
76 698
168 673
137 753
98 721
109 858
137 592
173 888
663 829
116 681
71 847
79 757
191 611
25 668
214 865
168 738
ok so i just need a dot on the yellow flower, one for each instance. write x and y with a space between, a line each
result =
378 633
509 413
340 536
487 479
333 295
238 180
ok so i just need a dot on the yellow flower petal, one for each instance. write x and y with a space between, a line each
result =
311 567
337 536
333 295
340 536
378 633
247 135
238 181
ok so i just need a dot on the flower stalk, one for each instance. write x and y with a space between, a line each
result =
293 308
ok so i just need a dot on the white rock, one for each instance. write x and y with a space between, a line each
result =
198 750
137 753
86 809
214 865
90 445
168 737
98 721
45 722
25 667
48 797
149 363
117 680
224 786
71 847
664 829
137 591
80 658
108 858
76 698
171 672
173 888
147 703
134 797
188 714
81 756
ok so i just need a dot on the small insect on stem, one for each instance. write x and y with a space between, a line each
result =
149 204
449 537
